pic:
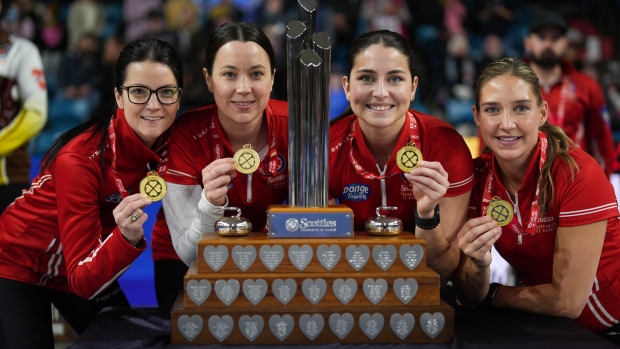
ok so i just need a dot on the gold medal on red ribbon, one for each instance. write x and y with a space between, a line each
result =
153 186
408 157
246 159
500 211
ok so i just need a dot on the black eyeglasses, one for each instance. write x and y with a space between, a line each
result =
142 94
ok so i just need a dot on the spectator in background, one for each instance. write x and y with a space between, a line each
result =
345 23
26 20
23 110
492 49
459 80
455 14
182 18
79 79
392 15
273 23
576 101
156 28
135 17
53 41
112 48
495 17
84 16
223 12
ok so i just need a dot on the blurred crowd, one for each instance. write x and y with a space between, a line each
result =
80 41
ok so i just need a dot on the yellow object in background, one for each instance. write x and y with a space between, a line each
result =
473 143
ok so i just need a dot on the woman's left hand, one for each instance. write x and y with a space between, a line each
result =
429 182
129 216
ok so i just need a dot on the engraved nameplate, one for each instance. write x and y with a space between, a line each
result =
281 327
311 326
255 291
221 327
405 290
384 256
243 257
371 325
328 256
251 327
283 290
402 325
190 327
341 325
357 256
345 290
227 291
271 256
215 256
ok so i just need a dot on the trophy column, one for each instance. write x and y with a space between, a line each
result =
308 69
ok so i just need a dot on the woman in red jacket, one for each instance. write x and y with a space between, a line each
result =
554 210
79 227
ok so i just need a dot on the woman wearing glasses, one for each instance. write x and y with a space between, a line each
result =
79 227
202 178
553 212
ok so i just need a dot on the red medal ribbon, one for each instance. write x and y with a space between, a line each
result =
489 192
218 135
414 137
119 183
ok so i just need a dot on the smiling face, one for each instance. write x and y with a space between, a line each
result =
380 87
509 118
152 119
241 82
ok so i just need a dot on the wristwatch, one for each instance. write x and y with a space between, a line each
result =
427 223
493 288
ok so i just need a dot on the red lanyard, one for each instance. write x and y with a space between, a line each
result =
558 117
414 137
217 135
117 180
489 191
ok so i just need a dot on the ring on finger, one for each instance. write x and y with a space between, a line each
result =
134 218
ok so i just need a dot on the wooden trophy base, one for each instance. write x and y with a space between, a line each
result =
332 221
297 325
359 289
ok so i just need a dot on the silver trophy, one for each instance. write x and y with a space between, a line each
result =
308 70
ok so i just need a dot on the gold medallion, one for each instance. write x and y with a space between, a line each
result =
153 186
246 159
408 157
500 211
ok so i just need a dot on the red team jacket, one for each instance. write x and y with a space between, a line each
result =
61 234
584 118
199 140
587 199
439 142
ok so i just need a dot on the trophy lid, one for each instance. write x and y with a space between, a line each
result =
383 225
233 225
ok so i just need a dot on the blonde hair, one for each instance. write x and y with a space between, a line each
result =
558 142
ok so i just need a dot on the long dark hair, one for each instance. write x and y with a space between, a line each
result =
378 37
559 143
141 50
244 32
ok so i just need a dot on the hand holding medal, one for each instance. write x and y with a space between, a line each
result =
153 186
500 211
246 159
408 157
